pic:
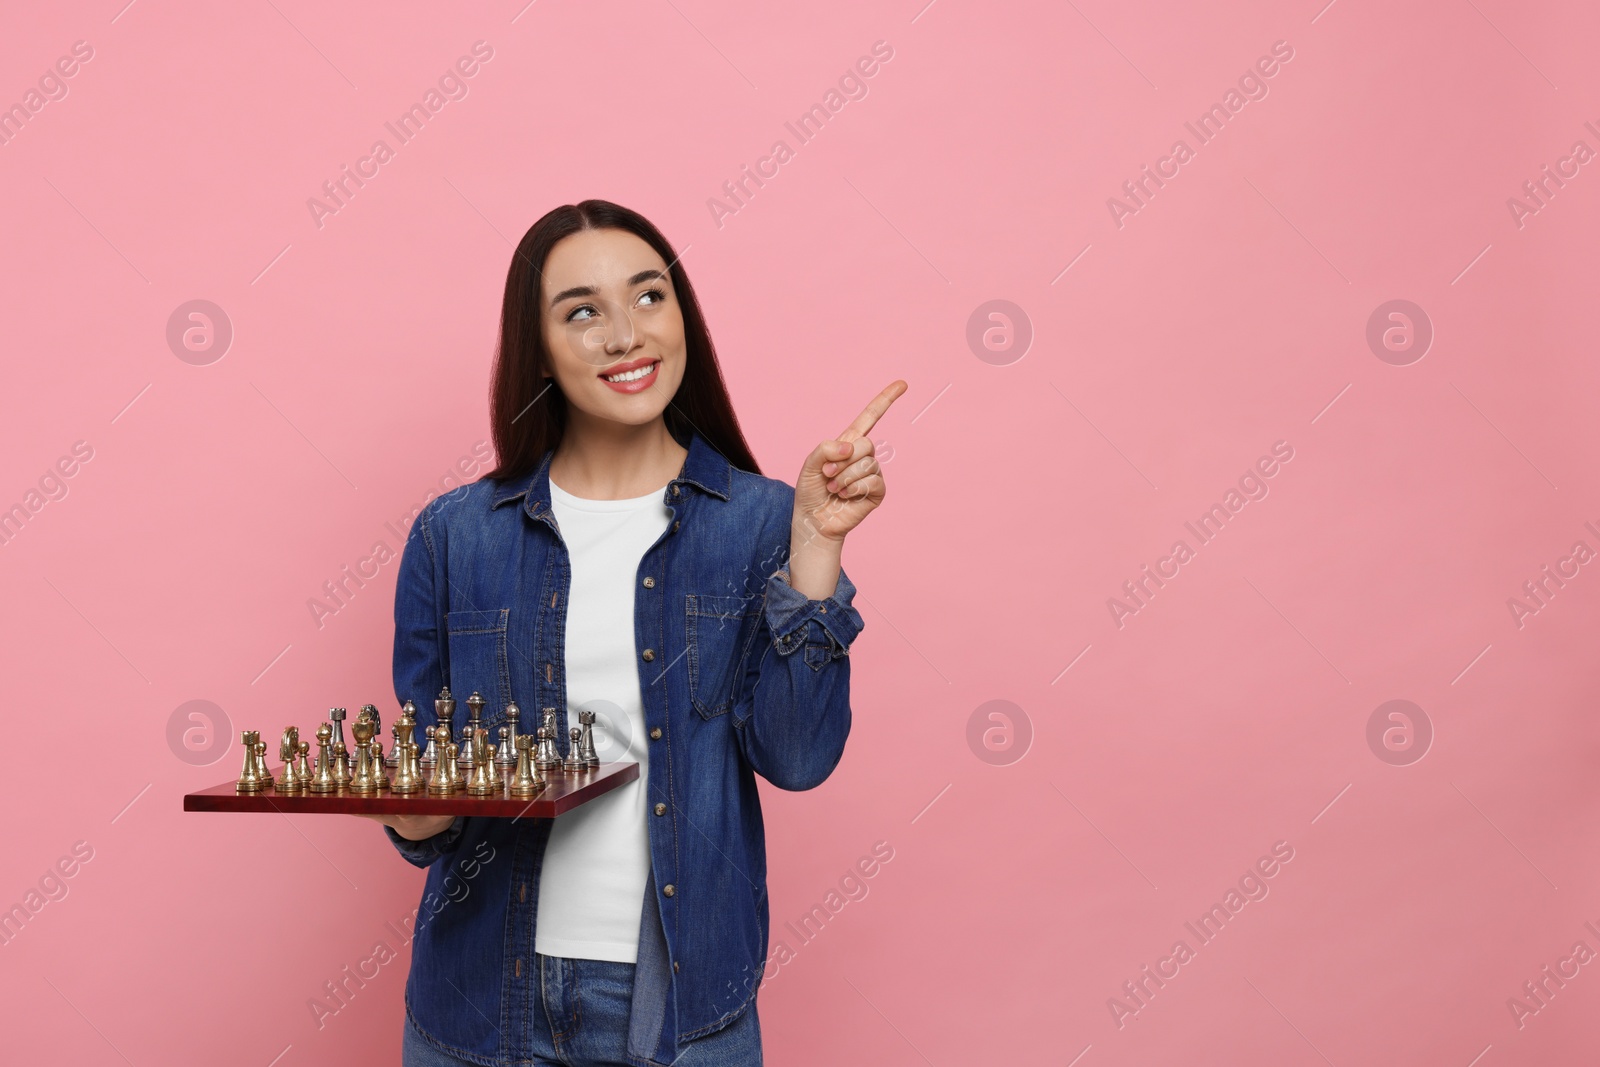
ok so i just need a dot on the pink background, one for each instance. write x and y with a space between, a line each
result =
1159 760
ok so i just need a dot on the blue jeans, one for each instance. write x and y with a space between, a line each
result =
583 1009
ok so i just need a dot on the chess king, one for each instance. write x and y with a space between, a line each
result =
624 554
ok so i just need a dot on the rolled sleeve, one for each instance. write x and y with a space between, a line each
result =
797 621
422 853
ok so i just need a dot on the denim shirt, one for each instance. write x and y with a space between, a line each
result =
740 675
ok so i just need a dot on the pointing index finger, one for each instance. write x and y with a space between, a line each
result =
874 411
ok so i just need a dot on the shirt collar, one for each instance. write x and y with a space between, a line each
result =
704 468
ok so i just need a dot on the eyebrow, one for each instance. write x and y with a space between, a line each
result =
589 290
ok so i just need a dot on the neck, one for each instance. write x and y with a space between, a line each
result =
603 460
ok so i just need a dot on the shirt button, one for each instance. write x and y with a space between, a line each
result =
669 890
676 525
674 490
674 966
649 583
661 809
655 733
649 654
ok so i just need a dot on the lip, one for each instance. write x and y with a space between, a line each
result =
638 385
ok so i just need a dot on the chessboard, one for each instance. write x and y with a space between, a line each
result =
561 794
526 775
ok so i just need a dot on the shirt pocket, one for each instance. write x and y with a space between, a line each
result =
719 632
479 663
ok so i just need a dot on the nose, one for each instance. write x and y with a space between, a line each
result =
618 329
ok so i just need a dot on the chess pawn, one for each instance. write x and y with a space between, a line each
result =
378 771
525 780
250 780
545 757
496 774
288 749
574 761
469 751
323 781
591 759
480 784
442 782
336 717
407 772
302 768
341 765
506 753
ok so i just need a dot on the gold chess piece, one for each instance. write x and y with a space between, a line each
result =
341 765
574 763
379 772
288 748
480 784
302 768
407 772
362 782
255 776
444 781
323 781
525 780
496 778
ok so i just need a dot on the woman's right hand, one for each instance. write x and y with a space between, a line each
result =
413 827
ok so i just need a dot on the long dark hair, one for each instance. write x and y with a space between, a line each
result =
527 418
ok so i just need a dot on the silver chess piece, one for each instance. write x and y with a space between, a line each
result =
574 764
470 744
444 709
545 757
506 752
591 759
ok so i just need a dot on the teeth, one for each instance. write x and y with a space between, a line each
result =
630 376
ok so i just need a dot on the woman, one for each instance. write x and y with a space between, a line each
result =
625 557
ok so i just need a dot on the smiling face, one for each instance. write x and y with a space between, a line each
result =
612 326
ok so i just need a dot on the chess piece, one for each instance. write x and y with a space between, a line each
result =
591 759
407 708
288 748
545 757
480 784
323 781
254 778
362 783
444 708
407 772
336 717
469 750
341 765
506 752
442 782
496 775
525 780
378 770
574 762
302 768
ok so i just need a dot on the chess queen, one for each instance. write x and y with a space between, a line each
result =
626 557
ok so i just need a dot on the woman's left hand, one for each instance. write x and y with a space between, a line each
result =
841 482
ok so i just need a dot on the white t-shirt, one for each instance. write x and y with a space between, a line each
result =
591 889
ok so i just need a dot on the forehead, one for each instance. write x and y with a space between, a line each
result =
602 259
